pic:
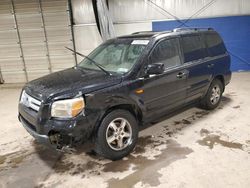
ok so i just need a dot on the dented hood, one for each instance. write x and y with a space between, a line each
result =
70 82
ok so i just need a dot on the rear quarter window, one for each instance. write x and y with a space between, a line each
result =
193 48
215 45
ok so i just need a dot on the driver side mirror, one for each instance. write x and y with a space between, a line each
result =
156 68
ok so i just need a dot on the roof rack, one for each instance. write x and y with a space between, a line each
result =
141 32
193 28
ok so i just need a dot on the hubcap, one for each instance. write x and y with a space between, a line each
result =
215 95
119 134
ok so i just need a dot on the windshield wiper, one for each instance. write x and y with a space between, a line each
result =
95 63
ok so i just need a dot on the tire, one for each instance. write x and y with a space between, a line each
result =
213 96
112 141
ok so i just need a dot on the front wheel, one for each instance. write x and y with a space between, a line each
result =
213 97
117 135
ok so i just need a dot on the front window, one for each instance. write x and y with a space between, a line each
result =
167 52
117 56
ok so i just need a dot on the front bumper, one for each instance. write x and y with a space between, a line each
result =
44 139
71 132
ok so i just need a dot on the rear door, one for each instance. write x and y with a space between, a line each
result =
194 52
167 90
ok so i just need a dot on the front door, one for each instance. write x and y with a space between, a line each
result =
167 90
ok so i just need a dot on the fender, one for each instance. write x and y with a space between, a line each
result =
103 101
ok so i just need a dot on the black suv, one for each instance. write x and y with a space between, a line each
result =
123 84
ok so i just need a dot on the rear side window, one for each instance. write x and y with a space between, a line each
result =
215 45
193 48
166 52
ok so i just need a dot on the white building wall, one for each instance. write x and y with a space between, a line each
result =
86 33
144 10
137 15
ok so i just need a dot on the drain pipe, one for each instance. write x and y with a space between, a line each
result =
94 4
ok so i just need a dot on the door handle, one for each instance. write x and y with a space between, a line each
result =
180 74
210 65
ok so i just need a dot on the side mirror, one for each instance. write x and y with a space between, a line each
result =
156 68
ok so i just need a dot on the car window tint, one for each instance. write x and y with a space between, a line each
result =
166 52
193 48
215 44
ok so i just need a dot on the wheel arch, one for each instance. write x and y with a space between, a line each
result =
132 108
221 78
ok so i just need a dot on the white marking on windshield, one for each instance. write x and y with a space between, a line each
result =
140 42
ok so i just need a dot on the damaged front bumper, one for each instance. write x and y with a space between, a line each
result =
43 139
57 133
46 140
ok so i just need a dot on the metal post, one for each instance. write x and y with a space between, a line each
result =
45 36
1 77
72 27
19 39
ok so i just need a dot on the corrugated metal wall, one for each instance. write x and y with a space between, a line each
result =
33 34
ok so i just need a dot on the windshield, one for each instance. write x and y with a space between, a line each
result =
118 56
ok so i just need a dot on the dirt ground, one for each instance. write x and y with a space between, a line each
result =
193 148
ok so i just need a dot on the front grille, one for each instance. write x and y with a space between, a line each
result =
30 102
28 124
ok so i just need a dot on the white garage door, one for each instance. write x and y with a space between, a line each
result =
33 34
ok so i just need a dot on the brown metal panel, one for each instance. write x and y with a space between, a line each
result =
16 27
33 34
38 63
14 77
11 64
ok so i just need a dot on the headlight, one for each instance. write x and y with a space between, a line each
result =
22 98
67 108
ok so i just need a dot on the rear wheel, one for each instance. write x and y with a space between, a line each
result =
117 135
213 97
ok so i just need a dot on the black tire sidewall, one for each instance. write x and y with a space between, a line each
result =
101 145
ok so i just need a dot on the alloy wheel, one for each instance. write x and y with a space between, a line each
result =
119 134
215 95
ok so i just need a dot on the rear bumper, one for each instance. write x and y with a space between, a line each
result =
227 77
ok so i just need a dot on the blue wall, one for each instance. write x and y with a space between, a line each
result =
235 31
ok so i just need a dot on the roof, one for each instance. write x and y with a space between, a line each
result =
150 34
142 34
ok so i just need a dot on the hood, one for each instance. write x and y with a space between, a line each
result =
70 82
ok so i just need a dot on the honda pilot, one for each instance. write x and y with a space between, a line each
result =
123 84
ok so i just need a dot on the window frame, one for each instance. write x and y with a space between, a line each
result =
180 52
